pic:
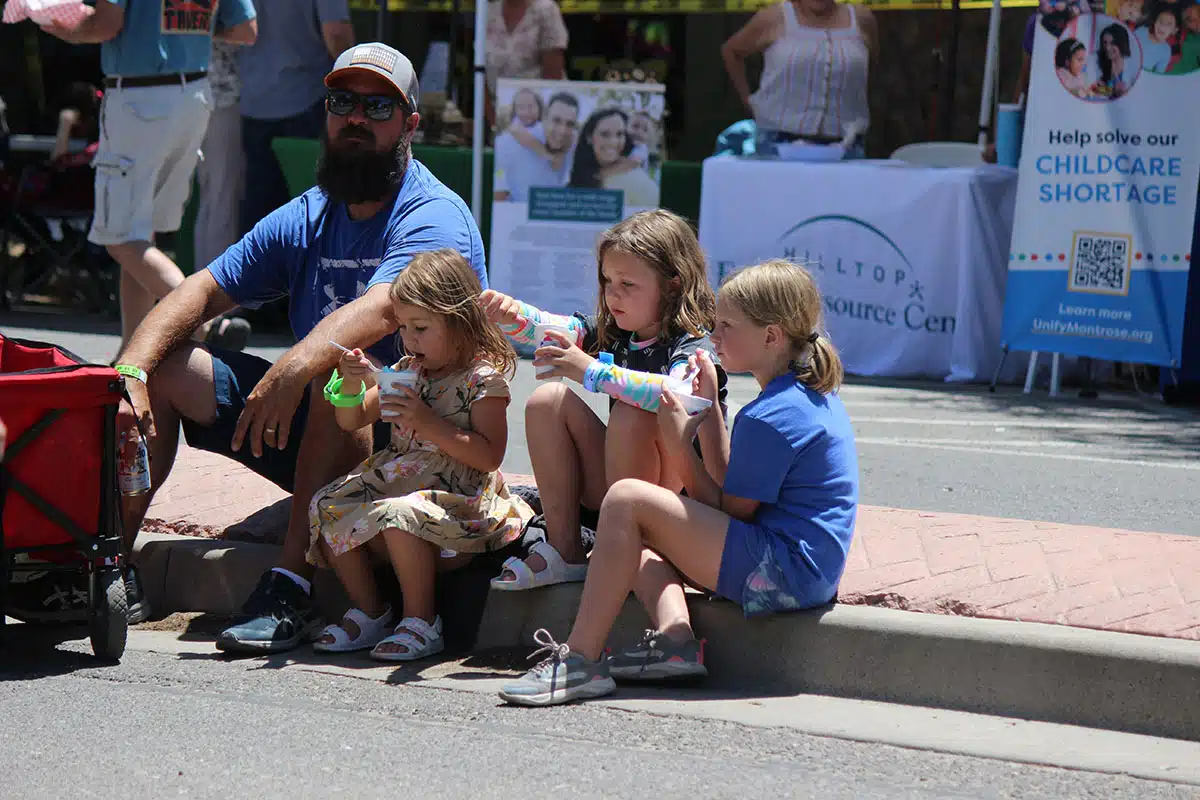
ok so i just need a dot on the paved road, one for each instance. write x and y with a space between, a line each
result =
1122 462
181 720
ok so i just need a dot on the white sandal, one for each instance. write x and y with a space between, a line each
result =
417 630
370 631
556 571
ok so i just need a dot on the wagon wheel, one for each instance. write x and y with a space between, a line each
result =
109 619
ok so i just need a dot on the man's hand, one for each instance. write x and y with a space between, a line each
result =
565 359
267 417
3 439
134 418
500 308
59 31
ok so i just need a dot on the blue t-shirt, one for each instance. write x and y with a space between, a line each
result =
792 450
283 72
313 253
159 37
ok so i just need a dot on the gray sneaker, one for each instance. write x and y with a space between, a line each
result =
561 677
659 658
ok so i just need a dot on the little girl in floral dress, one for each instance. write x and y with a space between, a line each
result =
434 497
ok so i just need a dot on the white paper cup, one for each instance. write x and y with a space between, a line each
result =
540 339
391 383
683 393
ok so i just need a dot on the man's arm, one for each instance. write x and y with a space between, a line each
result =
244 33
172 322
338 36
271 404
102 23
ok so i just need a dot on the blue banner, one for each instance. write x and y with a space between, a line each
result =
1110 161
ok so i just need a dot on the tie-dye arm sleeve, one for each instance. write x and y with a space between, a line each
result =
529 317
639 389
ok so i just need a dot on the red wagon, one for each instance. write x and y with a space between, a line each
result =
59 502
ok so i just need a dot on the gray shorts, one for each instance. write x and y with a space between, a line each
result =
149 144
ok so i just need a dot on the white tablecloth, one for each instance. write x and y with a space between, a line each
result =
911 261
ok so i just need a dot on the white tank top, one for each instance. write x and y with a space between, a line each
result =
814 80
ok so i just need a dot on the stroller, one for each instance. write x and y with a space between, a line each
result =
59 502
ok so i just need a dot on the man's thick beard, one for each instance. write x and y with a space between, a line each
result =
351 175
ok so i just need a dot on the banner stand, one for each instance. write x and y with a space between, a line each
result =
1101 245
1031 372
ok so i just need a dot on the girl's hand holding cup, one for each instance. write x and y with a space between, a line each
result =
405 407
561 358
705 383
677 427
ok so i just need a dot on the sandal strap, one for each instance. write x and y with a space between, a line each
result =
556 567
410 631
524 576
420 627
360 618
339 634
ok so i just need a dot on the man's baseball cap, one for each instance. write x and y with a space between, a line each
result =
376 58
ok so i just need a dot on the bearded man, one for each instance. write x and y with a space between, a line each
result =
332 252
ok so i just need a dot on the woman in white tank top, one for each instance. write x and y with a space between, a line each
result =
816 55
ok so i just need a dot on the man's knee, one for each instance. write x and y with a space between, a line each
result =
185 382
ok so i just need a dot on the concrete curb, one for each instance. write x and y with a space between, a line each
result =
1115 681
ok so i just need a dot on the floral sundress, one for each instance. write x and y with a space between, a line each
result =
412 485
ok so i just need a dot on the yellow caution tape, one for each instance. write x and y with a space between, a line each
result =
680 6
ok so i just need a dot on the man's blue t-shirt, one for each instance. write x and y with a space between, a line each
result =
792 450
313 253
160 37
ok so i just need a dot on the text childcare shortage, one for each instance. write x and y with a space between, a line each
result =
1116 176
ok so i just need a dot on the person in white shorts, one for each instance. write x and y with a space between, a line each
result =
155 112
152 120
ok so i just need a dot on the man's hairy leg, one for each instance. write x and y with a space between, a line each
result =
326 452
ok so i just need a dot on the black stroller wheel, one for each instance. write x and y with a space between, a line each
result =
110 619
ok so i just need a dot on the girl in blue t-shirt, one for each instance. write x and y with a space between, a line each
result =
768 515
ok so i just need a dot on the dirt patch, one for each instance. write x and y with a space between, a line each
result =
944 605
181 528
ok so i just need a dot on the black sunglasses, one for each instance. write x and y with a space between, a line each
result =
377 107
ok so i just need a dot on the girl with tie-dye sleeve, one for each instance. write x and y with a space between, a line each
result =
654 313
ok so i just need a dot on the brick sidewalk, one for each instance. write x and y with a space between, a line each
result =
1117 580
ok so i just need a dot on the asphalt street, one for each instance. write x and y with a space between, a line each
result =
193 723
1122 461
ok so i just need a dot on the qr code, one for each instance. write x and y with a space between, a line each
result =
1100 264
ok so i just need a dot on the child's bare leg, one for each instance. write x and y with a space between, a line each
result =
637 515
353 570
566 446
660 590
632 449
415 563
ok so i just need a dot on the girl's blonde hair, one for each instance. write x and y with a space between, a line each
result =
778 292
667 244
443 283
